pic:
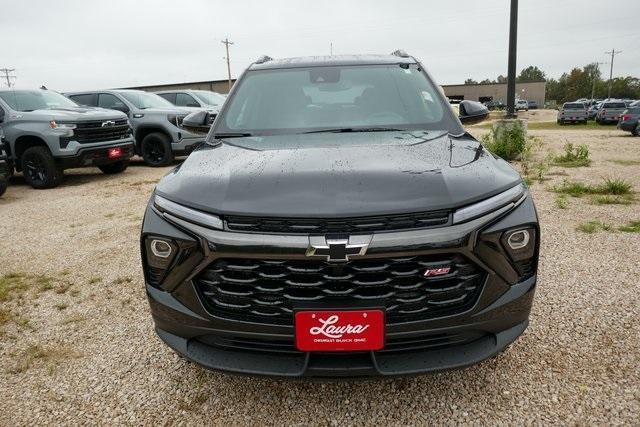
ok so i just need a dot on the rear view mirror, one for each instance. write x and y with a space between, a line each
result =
198 122
472 112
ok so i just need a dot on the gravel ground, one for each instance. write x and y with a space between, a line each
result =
77 345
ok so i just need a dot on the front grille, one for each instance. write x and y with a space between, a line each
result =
344 225
88 132
268 291
392 345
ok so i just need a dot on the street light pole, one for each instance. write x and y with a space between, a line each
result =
511 72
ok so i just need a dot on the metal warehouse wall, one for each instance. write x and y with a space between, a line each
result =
535 91
220 86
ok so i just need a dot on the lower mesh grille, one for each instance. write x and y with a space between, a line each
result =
393 345
268 291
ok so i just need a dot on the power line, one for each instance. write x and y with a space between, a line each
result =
226 43
613 53
7 74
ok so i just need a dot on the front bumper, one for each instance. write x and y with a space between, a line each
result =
96 156
498 316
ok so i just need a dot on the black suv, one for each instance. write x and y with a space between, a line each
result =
339 221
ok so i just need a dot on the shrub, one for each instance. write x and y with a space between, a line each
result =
632 227
507 139
573 157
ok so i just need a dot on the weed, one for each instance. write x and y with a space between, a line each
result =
12 285
615 186
593 226
562 202
109 215
631 227
613 200
507 140
572 188
36 353
122 280
610 186
95 280
624 162
573 156
74 318
61 306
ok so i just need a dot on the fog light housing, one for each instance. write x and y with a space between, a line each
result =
160 252
518 239
520 243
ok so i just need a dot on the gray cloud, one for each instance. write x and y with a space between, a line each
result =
83 44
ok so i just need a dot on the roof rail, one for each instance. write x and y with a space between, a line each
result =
263 59
401 53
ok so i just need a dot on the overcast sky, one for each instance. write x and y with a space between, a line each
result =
91 44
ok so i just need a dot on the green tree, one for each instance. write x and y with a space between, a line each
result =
470 82
531 74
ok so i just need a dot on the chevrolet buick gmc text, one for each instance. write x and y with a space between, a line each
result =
339 221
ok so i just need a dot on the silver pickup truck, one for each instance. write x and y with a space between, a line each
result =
46 133
610 112
572 112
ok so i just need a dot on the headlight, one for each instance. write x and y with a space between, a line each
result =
55 125
491 204
188 214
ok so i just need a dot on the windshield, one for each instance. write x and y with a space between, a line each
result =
143 100
29 100
298 100
210 98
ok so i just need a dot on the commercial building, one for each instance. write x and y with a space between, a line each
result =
483 92
220 86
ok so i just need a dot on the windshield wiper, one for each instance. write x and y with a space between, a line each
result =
347 130
231 135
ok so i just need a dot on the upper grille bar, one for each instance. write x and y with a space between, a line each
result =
342 225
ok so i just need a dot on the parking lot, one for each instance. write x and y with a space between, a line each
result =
77 340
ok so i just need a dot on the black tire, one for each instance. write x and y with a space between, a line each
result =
636 130
40 169
114 168
4 183
156 149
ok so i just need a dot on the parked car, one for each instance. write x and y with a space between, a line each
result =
572 112
339 221
155 122
205 99
4 165
533 105
495 105
47 133
629 121
610 112
592 112
522 104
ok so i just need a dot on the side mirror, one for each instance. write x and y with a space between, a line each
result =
472 112
198 122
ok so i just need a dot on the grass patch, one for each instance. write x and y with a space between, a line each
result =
562 202
593 227
95 280
13 285
573 157
122 280
110 215
61 306
626 162
631 227
53 356
74 318
613 200
610 186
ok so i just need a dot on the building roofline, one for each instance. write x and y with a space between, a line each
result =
494 83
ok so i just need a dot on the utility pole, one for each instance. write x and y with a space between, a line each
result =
7 74
613 53
226 42
331 48
593 78
511 72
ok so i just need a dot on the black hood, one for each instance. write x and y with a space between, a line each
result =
337 174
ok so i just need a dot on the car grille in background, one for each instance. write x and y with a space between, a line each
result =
88 132
345 225
267 291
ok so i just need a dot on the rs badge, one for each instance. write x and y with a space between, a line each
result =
431 272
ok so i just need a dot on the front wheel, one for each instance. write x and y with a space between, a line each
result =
156 149
114 168
40 169
4 183
636 130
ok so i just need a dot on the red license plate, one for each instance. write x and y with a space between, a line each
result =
114 153
340 330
